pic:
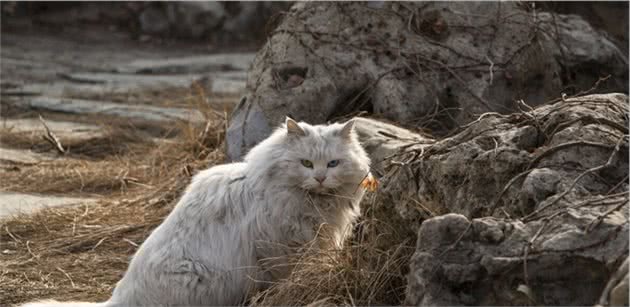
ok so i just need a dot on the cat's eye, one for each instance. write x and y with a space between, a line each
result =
307 163
333 163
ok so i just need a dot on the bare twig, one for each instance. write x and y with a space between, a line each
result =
507 186
28 248
590 170
51 137
593 88
587 119
491 69
562 146
625 179
99 243
431 213
67 275
602 216
6 228
134 244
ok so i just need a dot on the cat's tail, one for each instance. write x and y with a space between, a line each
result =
51 303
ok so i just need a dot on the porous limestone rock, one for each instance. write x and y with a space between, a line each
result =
435 65
537 203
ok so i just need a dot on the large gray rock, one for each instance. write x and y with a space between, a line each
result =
540 203
489 261
538 152
529 208
435 65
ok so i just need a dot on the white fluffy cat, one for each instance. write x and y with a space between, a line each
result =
230 233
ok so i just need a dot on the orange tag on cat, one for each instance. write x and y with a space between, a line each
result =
370 183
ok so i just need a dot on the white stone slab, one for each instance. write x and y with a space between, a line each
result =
68 89
195 64
15 203
22 156
101 85
132 80
62 129
146 112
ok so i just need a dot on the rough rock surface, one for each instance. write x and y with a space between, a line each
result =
434 65
539 203
520 209
382 140
584 53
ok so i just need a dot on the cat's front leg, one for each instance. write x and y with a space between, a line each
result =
276 258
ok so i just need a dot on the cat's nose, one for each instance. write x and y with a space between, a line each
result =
320 179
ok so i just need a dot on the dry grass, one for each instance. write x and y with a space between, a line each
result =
80 252
371 268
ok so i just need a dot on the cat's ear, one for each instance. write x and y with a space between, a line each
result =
293 128
348 128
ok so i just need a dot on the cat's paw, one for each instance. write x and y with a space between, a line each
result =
370 183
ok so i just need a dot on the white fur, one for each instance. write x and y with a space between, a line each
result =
230 232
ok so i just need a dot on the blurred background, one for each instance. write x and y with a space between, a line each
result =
228 23
223 24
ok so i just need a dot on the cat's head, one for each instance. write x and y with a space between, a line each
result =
321 158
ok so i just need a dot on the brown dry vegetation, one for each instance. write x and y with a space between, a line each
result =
370 270
80 252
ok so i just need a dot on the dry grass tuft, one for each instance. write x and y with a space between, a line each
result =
371 269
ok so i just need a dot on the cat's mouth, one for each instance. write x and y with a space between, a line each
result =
322 190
